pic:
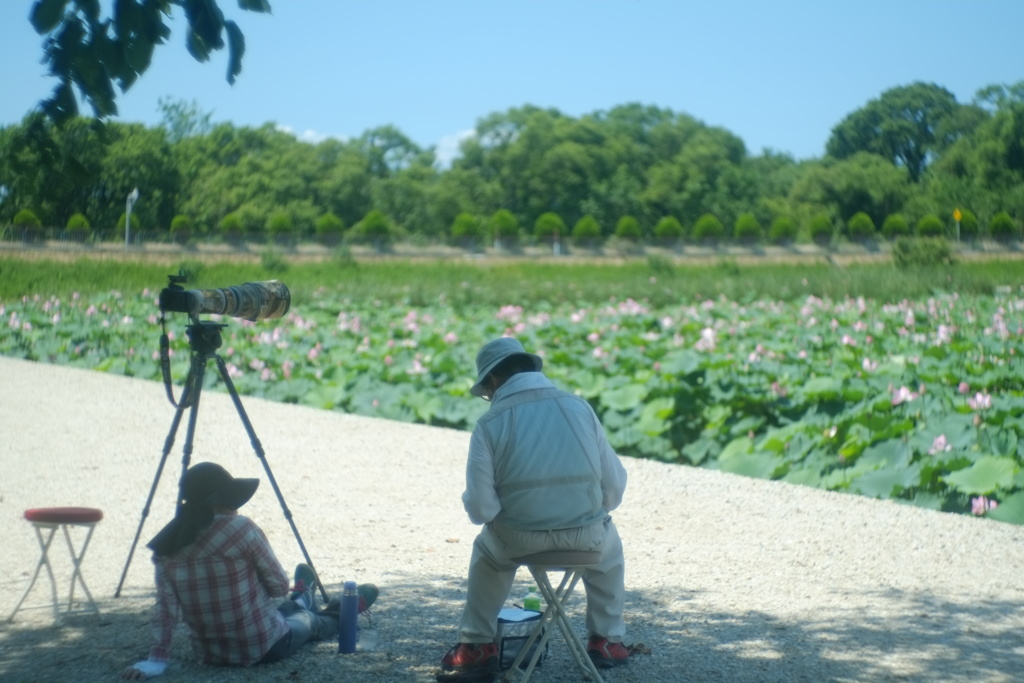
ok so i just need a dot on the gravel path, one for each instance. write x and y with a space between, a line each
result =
728 579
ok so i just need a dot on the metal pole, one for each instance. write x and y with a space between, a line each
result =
132 197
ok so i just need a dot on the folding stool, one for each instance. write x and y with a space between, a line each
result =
51 519
573 563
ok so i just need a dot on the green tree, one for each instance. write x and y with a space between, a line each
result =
1002 227
466 230
375 228
782 230
860 227
821 229
747 229
504 228
26 218
930 225
91 52
182 229
586 232
329 229
668 230
549 227
628 228
78 223
969 229
708 230
906 125
280 227
895 226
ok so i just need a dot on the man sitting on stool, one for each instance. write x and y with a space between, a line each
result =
540 476
216 571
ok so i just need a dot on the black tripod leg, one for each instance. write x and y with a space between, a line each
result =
192 385
258 447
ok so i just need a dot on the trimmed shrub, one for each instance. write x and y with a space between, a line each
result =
747 229
860 227
821 229
628 228
924 251
232 229
587 231
1002 227
375 228
930 226
329 229
668 230
969 228
26 218
123 220
895 226
280 228
782 231
548 226
78 223
466 230
708 230
504 228
181 223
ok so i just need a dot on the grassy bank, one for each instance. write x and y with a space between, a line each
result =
522 282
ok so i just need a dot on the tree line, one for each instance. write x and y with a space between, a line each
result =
899 165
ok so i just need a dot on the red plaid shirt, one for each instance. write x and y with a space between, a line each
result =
223 586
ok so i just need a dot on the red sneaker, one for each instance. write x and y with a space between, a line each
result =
606 655
471 657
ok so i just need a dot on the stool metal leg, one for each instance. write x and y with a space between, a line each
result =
555 613
76 574
44 560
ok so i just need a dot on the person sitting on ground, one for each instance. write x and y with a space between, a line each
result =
540 476
216 572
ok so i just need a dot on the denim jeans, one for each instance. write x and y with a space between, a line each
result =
304 626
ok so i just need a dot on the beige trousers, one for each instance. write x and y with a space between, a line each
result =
491 575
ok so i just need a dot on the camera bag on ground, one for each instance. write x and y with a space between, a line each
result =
514 628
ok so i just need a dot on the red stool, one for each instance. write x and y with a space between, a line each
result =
50 519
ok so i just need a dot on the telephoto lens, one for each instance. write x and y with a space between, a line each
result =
250 301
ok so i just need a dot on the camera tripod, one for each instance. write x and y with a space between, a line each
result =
204 340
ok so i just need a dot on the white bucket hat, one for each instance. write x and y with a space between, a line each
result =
493 353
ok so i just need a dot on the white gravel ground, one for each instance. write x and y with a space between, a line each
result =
728 579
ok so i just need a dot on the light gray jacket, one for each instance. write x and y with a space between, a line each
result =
539 460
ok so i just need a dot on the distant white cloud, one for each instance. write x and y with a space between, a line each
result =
309 135
447 148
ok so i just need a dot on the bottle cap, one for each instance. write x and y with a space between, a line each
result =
350 588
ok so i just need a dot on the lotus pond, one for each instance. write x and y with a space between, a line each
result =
918 400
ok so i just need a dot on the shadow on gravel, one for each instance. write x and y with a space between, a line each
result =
925 638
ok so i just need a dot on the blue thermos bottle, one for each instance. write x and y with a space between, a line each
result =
347 618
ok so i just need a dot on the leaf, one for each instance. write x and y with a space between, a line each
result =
821 387
46 15
1010 509
624 398
236 48
680 362
986 475
736 447
654 416
255 5
757 465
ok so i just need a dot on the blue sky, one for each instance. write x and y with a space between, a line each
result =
778 73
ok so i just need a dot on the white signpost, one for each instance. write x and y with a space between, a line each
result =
133 196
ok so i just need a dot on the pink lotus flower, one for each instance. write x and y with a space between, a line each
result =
980 401
963 388
940 445
981 505
902 395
